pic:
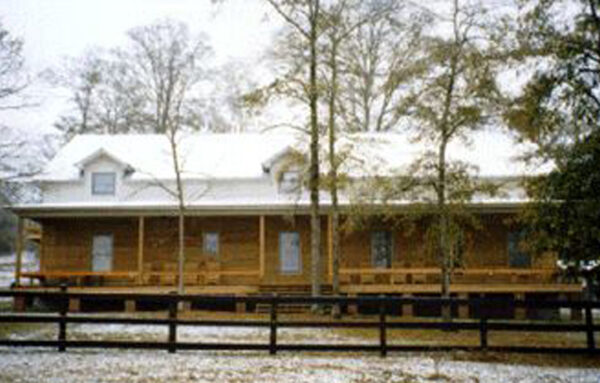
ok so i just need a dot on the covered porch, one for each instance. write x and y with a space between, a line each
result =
262 251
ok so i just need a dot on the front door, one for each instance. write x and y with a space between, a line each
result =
381 249
289 252
517 257
102 253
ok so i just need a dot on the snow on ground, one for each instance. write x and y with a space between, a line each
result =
187 334
47 365
34 365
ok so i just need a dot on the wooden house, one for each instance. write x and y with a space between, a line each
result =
108 220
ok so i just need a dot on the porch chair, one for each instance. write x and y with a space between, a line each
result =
169 278
190 273
345 279
212 273
366 278
399 278
147 277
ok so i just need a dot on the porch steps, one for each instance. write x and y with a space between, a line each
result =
295 290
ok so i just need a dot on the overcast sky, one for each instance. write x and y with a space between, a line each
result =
53 29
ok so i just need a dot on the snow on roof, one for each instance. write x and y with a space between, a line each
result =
244 155
97 154
202 155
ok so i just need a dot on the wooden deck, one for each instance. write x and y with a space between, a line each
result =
352 289
352 281
209 290
462 288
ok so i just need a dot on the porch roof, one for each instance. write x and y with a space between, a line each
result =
239 208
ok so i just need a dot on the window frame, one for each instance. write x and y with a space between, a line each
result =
205 250
391 249
513 247
290 181
112 251
95 191
282 270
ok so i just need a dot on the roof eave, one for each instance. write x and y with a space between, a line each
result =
47 211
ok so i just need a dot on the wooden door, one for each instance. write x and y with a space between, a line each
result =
102 253
290 259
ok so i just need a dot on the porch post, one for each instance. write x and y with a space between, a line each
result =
261 244
140 263
330 247
19 251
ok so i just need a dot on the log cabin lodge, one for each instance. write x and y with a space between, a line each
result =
106 221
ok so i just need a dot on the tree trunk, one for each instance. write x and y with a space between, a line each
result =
443 250
315 220
442 211
333 181
181 210
181 253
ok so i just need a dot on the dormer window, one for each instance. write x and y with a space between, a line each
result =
289 182
103 183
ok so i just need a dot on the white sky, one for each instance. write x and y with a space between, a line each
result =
53 29
239 30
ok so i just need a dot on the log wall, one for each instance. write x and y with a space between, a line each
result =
67 245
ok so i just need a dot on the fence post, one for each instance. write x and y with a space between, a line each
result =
589 327
173 301
62 318
382 327
273 335
482 325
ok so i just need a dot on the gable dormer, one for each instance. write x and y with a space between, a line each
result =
286 169
102 173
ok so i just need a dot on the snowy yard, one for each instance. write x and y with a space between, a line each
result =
46 365
155 366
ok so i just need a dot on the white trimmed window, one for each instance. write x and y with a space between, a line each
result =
290 260
289 182
381 249
103 183
210 243
102 252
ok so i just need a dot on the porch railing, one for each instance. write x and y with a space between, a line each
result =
147 277
408 275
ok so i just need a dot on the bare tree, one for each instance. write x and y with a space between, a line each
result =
82 77
12 84
20 156
137 87
165 65
382 58
303 17
226 109
13 79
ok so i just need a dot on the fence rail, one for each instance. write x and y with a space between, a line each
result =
483 325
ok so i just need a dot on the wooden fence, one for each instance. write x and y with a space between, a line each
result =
483 324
